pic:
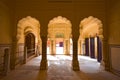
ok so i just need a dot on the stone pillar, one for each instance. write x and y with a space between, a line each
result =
43 64
75 62
51 47
105 56
54 47
79 46
82 46
38 48
66 47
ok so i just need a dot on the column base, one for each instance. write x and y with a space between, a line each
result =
75 65
102 65
106 66
67 54
53 54
43 65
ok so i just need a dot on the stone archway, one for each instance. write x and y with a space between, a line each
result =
91 28
30 44
25 26
59 27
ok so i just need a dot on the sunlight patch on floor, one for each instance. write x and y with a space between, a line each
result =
59 57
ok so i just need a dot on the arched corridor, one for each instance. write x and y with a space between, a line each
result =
59 39
59 34
90 39
28 41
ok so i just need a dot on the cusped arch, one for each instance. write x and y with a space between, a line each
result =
91 21
25 25
59 25
59 19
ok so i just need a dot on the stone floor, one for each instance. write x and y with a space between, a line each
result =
59 68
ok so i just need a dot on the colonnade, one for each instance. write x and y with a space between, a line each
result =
92 47
66 46
43 64
59 25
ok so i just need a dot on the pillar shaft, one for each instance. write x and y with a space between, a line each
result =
105 56
82 47
51 47
43 64
75 62
79 46
54 46
66 47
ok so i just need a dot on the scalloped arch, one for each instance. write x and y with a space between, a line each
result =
59 19
27 24
59 25
90 20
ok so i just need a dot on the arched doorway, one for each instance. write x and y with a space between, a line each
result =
28 35
30 44
59 34
90 39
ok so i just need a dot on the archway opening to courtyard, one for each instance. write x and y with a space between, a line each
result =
90 39
59 45
28 42
59 36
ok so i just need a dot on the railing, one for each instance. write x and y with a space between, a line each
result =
30 52
19 57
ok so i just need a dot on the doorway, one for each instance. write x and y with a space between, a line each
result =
30 44
59 46
59 33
